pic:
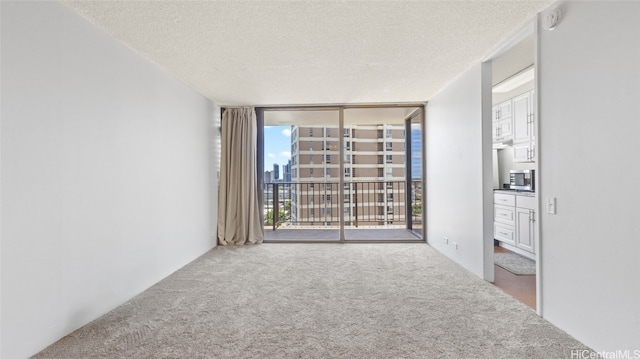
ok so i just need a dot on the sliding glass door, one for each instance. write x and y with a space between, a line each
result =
376 192
301 175
341 174
414 126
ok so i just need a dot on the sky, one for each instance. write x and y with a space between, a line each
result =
277 146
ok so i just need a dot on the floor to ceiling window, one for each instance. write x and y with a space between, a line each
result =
342 173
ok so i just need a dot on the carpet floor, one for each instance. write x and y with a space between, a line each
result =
319 301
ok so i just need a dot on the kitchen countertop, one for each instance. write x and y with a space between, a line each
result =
515 192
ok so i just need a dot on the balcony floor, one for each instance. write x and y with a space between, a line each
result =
332 234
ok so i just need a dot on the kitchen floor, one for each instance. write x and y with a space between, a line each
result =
521 287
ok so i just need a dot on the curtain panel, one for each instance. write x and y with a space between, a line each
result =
238 205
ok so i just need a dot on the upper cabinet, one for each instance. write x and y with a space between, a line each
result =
524 128
524 152
502 122
523 118
502 111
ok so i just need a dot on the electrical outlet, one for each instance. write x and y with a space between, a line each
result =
445 239
455 245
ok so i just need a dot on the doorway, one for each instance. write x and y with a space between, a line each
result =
514 125
342 174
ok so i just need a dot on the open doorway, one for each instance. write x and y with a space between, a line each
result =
514 165
342 173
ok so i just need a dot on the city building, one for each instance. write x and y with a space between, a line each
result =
268 176
286 171
374 175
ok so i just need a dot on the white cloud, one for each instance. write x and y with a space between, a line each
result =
271 155
286 132
285 154
267 127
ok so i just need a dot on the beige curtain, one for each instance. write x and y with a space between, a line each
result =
238 210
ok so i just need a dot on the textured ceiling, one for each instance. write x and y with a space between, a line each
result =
312 52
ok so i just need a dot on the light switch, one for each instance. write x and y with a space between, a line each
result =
551 205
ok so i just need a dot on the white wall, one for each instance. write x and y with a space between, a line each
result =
105 174
459 170
589 135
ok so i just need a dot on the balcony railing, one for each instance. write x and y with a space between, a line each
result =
366 204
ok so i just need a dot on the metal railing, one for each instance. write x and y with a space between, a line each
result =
317 204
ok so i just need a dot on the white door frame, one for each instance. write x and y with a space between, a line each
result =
531 27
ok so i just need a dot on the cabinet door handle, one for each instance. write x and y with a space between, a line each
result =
533 151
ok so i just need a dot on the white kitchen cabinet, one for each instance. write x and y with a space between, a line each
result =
502 111
502 130
502 123
524 128
532 109
504 233
504 214
525 219
526 223
523 118
524 152
515 221
504 199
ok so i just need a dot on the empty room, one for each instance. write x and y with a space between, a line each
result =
319 179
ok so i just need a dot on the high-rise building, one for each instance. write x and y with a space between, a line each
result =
268 189
276 172
286 172
268 176
374 175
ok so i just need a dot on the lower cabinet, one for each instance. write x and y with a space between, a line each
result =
526 229
504 233
515 221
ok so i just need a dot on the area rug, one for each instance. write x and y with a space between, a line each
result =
515 263
320 301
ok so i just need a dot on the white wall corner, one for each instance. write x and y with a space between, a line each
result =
456 171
